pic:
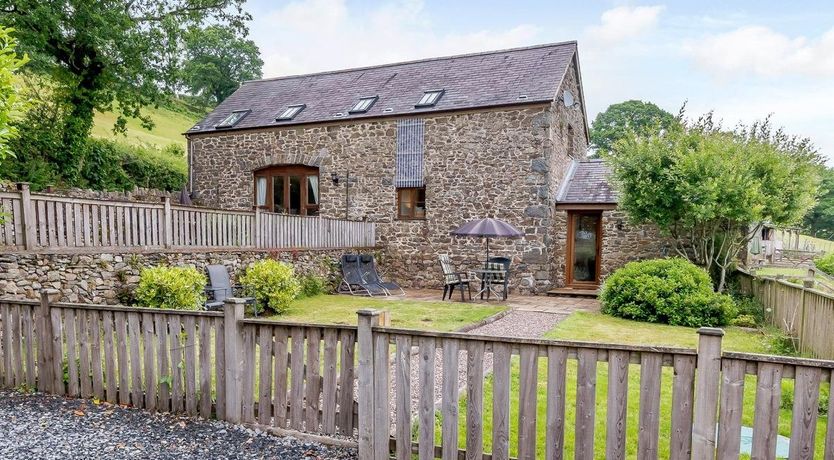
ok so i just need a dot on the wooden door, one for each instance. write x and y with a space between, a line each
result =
584 249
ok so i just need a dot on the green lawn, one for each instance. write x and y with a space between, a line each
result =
411 314
601 328
596 327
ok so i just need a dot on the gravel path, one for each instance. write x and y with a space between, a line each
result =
38 426
517 323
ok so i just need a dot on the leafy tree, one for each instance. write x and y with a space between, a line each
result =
109 55
10 101
709 189
619 120
820 221
217 61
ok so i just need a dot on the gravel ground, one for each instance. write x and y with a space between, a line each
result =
38 426
517 323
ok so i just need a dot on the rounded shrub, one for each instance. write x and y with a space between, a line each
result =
178 288
670 291
273 284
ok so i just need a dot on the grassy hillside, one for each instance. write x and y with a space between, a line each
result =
169 125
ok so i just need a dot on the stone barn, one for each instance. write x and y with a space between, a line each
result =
421 147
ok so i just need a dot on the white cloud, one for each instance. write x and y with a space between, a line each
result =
625 22
314 35
760 51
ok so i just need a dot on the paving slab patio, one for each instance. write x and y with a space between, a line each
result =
536 303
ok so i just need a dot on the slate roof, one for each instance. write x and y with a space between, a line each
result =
470 81
587 182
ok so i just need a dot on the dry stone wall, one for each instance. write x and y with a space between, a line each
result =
109 278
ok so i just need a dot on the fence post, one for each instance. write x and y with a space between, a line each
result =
28 214
167 222
256 229
706 398
367 320
233 310
46 378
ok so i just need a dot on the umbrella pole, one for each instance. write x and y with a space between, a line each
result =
487 259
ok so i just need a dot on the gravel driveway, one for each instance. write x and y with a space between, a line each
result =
38 426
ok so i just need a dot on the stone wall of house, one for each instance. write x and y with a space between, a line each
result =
478 163
110 278
622 242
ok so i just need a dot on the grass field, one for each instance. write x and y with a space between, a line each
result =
811 243
168 128
411 314
601 328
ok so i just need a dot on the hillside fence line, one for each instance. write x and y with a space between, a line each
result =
803 312
50 223
319 380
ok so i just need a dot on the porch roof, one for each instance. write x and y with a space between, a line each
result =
587 182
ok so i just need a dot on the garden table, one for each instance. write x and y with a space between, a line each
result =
486 275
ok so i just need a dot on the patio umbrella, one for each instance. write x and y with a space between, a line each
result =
488 228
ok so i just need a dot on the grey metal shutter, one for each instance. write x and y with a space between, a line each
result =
409 154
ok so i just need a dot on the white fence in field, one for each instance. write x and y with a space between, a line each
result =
40 222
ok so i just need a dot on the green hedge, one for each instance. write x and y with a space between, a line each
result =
668 291
107 164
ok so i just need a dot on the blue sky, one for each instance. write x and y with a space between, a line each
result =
744 60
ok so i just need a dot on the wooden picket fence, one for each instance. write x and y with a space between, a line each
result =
191 362
803 312
302 378
40 222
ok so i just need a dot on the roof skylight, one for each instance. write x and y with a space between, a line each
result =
364 104
430 98
232 119
290 112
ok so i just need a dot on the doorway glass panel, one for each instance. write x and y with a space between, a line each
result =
585 247
295 194
278 202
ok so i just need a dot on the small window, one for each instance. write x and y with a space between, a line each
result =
232 119
364 104
411 203
430 98
291 112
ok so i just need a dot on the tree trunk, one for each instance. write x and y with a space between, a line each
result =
79 120
76 129
722 278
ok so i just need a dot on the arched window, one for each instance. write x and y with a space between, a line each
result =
289 189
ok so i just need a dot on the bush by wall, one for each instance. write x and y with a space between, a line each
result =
311 286
825 263
179 288
273 284
669 291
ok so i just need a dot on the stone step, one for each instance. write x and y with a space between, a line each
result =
573 292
